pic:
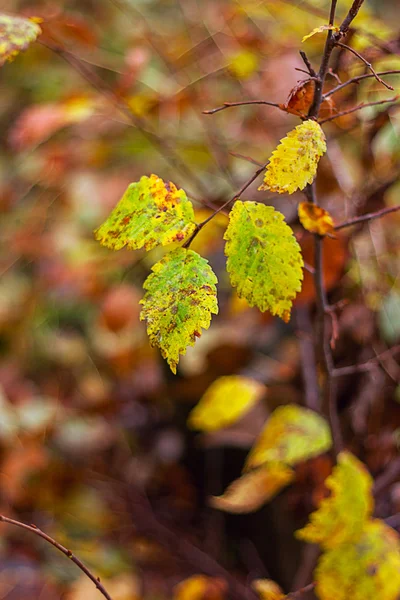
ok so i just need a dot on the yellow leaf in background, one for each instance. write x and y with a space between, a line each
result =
342 516
16 33
315 219
224 402
244 64
321 29
150 213
180 298
254 489
292 434
368 569
267 589
294 162
201 587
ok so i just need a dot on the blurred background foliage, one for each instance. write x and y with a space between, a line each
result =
94 446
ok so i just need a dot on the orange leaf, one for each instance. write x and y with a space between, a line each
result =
301 97
315 219
252 490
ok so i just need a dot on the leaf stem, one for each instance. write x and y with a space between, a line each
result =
226 105
238 194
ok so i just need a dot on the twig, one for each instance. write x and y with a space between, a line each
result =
357 79
244 103
368 217
307 354
168 153
306 61
351 15
61 548
301 591
368 365
247 158
359 107
244 187
366 63
389 476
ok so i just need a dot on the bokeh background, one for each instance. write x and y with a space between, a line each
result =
94 446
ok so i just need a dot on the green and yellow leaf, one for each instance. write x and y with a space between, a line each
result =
264 258
180 298
342 516
252 490
224 402
320 29
267 589
362 569
150 213
292 434
315 219
294 162
16 33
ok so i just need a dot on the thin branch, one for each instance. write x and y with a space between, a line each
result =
359 107
366 63
368 217
357 79
389 476
168 153
351 15
306 61
368 365
233 104
61 548
244 187
301 591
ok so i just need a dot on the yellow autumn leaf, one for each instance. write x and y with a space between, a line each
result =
16 33
201 587
366 569
321 29
150 213
244 64
315 219
292 434
252 490
180 298
267 589
294 162
342 516
224 402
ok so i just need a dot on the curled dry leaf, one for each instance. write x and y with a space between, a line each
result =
362 569
301 98
224 402
315 219
252 490
294 162
292 434
342 516
150 213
